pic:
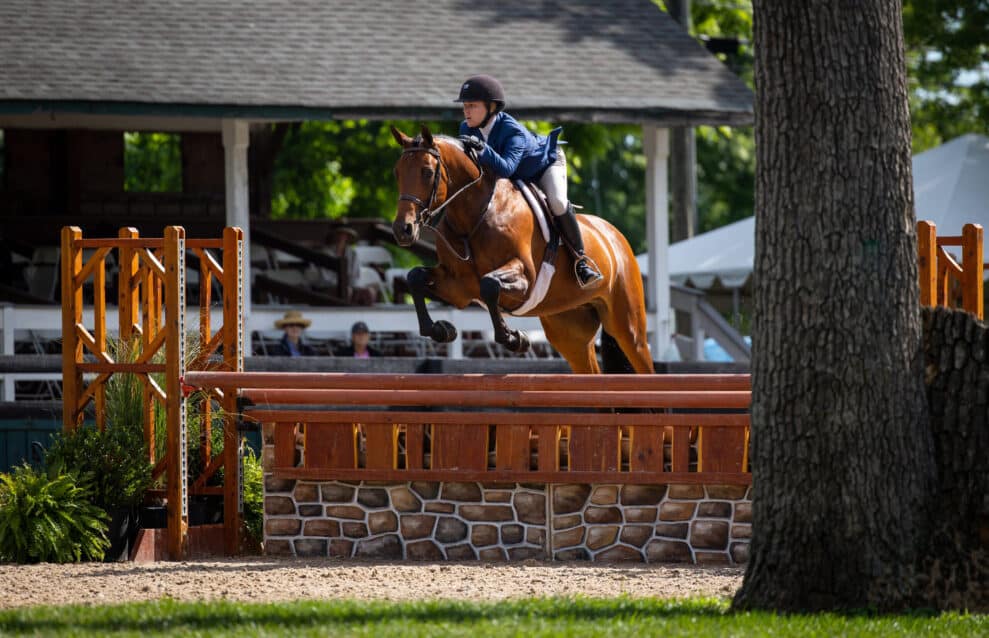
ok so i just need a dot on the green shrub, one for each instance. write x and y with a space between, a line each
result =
114 458
253 497
49 519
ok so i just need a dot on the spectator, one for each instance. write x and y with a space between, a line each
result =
358 348
292 345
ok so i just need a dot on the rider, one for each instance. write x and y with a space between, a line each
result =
512 151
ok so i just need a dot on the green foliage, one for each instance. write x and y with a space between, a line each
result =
114 459
152 163
340 168
533 618
253 496
49 518
947 43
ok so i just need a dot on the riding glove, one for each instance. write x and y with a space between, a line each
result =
472 143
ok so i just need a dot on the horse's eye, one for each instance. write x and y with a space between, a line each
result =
427 173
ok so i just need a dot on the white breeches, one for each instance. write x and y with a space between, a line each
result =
554 184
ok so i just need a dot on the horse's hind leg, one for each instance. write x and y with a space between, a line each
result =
572 334
625 320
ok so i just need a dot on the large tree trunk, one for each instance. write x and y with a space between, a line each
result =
842 458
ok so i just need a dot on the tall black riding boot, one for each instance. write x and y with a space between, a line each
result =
570 230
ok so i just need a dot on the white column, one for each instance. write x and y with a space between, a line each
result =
656 144
236 138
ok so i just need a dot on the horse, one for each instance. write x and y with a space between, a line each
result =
490 247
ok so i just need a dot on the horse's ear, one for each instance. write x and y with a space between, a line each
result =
400 137
427 137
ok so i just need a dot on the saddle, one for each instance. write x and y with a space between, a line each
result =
536 199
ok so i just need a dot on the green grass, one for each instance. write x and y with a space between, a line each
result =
623 617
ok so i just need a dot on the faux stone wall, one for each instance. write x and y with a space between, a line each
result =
652 523
497 522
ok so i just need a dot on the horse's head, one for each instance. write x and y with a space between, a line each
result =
420 184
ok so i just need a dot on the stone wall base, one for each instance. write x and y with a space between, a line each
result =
497 522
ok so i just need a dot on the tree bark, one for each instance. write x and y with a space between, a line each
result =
842 455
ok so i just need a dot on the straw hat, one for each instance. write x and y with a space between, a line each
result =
293 318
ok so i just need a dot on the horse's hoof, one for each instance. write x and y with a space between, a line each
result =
444 332
517 342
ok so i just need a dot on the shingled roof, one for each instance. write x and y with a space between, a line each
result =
584 60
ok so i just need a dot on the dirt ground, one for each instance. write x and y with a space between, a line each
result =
274 579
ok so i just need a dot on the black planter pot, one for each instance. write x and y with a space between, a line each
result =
153 517
122 532
205 510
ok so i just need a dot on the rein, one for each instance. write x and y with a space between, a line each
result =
425 213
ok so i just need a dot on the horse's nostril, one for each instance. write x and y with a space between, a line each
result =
408 230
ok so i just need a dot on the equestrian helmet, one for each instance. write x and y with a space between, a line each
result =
482 88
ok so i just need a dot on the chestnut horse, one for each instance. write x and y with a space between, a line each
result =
490 248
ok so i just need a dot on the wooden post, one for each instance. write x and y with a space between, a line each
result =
177 487
99 332
233 360
972 269
927 262
71 263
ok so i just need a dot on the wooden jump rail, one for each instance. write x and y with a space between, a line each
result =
937 267
151 309
543 428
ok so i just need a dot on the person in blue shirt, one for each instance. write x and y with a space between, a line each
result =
292 343
512 151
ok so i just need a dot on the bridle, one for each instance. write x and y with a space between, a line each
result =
425 213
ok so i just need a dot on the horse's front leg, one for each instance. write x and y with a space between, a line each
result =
429 282
510 278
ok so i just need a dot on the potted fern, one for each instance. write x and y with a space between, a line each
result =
48 517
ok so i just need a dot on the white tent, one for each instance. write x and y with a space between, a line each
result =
951 188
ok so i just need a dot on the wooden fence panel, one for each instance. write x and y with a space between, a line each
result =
595 448
460 446
331 445
646 449
381 442
512 448
720 449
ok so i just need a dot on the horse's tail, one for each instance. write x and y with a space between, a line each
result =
613 360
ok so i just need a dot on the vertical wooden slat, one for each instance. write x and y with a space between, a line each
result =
720 449
331 446
127 291
71 263
595 448
382 446
460 446
512 447
233 360
284 445
99 334
414 435
177 481
145 299
548 451
972 269
927 262
680 455
205 332
645 449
